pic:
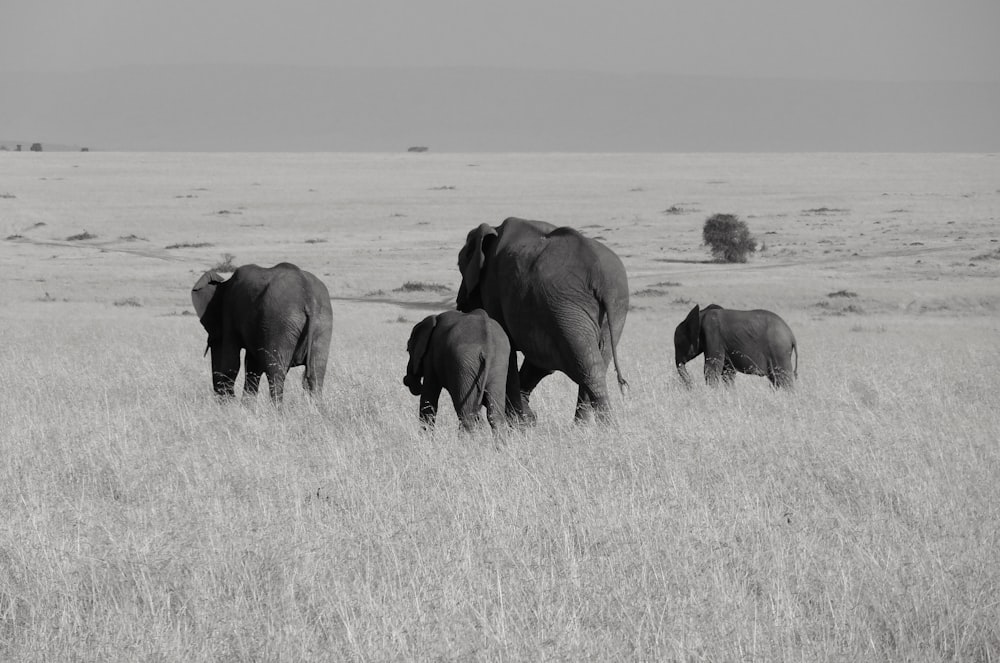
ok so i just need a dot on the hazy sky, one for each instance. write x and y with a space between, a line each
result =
851 39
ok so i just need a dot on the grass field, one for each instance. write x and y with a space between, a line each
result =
857 518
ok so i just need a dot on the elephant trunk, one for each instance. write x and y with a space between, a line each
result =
413 382
685 376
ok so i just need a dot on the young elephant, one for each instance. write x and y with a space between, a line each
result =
468 354
753 342
280 315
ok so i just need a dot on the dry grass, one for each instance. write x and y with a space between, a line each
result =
857 518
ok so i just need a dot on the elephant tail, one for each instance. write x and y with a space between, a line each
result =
622 382
477 390
795 369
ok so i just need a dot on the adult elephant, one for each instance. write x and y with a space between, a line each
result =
754 342
561 297
280 315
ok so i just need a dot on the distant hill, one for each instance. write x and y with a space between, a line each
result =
268 108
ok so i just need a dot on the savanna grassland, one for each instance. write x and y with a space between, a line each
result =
857 518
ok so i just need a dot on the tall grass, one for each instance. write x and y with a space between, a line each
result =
857 518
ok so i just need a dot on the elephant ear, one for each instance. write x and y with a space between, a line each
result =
472 257
420 339
203 291
692 327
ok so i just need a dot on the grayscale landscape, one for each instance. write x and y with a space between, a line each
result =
852 518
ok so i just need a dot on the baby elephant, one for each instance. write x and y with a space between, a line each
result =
466 353
754 342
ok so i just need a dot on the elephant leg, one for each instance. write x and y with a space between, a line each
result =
593 399
713 370
584 407
513 402
276 382
429 395
781 377
494 412
530 375
728 374
316 362
225 369
254 370
467 397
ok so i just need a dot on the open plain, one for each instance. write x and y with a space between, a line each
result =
856 518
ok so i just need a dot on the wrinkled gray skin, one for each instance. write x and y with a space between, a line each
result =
754 342
466 354
280 315
562 298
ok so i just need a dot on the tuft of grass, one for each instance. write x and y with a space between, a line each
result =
649 292
826 210
842 293
81 236
14 236
132 238
189 245
128 301
316 240
992 255
418 286
7 196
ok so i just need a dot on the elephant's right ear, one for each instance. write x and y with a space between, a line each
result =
203 291
420 339
473 255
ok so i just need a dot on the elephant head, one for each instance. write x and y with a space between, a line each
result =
687 343
689 340
420 339
202 295
471 259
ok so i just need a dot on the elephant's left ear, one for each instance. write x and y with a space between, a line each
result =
419 341
472 257
203 291
692 324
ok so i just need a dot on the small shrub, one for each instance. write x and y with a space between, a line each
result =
995 255
128 301
728 238
189 245
842 293
7 196
825 210
226 264
15 236
416 286
81 236
674 209
649 292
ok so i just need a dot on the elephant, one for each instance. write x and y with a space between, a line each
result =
280 315
754 342
467 354
561 298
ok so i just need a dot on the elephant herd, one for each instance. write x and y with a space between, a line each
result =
548 292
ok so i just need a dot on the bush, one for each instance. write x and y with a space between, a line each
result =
728 238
